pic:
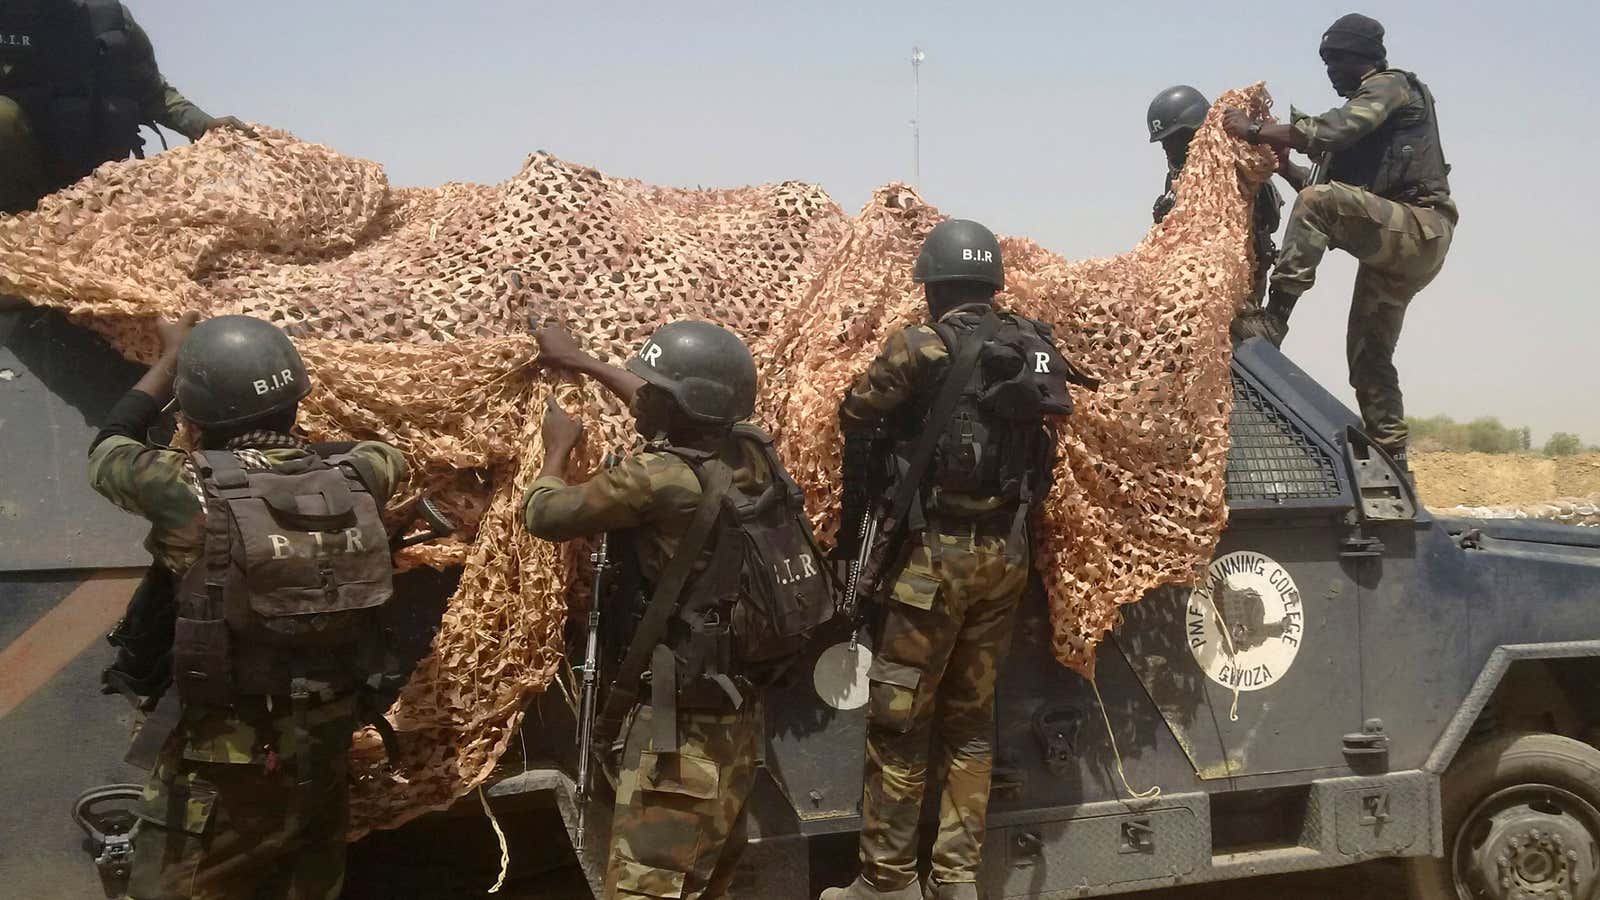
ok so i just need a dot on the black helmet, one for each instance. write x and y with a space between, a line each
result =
960 250
706 369
1174 109
233 369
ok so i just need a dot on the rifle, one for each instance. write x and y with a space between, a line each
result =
588 697
1320 168
866 575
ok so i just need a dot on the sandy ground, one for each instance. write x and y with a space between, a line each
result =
1495 479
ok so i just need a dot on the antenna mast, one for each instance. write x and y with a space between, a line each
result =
917 56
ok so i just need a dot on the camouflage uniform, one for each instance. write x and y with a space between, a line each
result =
1401 247
678 826
234 807
945 633
25 169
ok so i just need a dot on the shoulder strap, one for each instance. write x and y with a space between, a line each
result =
955 380
215 470
358 469
715 481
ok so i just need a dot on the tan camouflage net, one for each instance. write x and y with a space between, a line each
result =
410 308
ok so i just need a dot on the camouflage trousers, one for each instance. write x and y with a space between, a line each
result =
23 179
232 812
678 827
945 633
1401 248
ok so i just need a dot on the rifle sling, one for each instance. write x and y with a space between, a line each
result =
153 734
718 478
944 406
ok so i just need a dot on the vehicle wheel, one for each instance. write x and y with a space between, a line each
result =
1521 822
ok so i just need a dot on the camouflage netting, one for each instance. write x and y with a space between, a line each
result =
410 307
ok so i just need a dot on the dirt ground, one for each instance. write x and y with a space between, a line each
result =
1502 479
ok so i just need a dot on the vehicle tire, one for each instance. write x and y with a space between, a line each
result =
1521 819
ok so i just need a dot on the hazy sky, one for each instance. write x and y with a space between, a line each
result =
1032 121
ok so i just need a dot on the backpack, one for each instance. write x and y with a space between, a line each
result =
997 441
749 612
286 596
767 564
787 590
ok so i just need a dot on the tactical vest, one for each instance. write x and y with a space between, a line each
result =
999 443
762 592
69 65
286 596
1402 159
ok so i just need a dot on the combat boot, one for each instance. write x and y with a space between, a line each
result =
862 889
1399 457
1256 322
960 890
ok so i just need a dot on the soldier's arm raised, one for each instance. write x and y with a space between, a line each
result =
1378 97
891 378
162 103
557 349
145 480
638 490
1336 129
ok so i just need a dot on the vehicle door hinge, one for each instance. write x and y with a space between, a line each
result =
1358 545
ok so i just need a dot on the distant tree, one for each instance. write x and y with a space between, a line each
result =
1483 435
1487 435
1563 443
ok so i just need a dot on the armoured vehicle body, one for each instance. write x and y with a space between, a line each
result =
1393 671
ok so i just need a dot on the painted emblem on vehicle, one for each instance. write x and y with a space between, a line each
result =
1244 622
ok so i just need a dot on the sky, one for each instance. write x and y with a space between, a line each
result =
1032 121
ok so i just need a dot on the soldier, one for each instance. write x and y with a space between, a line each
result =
1173 118
77 78
1387 204
247 795
966 487
689 750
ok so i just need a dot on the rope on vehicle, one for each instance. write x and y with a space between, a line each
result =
505 852
1149 793
1233 658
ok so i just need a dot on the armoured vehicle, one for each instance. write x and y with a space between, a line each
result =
1352 678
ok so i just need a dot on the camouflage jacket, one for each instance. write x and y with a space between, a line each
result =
1380 95
655 492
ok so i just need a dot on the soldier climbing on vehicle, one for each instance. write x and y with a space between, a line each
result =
961 414
1386 201
736 585
1173 118
276 565
77 79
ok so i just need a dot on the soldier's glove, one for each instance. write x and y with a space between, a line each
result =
1163 205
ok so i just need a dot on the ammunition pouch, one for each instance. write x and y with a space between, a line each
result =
142 670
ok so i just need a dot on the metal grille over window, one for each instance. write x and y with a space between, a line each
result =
1270 459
